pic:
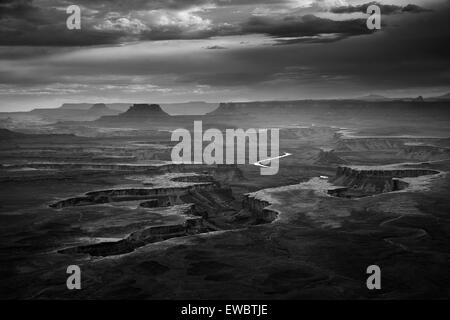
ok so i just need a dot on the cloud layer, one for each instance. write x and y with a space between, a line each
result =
43 22
217 50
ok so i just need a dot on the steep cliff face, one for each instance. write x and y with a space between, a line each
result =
259 208
192 225
167 196
372 180
198 202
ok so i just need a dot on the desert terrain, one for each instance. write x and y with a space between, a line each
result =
94 186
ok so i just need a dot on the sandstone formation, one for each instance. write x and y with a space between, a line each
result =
139 238
374 180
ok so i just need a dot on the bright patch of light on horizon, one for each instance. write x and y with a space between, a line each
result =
161 48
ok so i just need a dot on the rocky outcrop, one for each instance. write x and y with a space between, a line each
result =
192 225
198 199
374 180
167 196
259 208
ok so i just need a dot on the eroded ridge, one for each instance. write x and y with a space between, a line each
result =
164 196
360 181
192 225
203 204
286 202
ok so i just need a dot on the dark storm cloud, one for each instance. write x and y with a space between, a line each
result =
289 26
304 26
407 55
43 23
17 13
24 23
385 8
15 8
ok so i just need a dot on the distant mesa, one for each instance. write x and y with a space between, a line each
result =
144 110
99 107
137 113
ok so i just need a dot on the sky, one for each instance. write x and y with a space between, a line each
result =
219 50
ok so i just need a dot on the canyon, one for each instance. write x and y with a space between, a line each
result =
105 195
